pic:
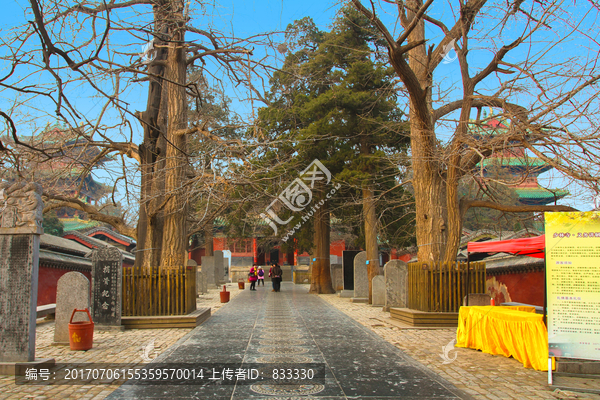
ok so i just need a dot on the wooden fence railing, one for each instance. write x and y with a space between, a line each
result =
441 287
170 292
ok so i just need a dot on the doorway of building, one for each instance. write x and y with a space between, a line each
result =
274 256
348 268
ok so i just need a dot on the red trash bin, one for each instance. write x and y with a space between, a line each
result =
224 295
81 334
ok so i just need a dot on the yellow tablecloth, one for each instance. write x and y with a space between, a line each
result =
506 331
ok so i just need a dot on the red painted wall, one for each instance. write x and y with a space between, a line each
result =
526 287
337 247
47 282
196 255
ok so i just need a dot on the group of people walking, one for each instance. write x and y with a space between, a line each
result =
257 274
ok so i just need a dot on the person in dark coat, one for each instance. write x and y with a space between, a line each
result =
276 276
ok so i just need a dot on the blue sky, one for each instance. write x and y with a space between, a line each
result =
245 18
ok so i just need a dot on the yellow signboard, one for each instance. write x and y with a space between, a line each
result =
573 284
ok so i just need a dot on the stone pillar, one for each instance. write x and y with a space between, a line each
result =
219 270
72 292
378 284
194 265
20 229
337 277
396 284
361 278
208 267
201 284
107 272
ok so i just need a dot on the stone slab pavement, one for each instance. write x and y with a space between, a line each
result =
481 375
484 376
114 347
290 330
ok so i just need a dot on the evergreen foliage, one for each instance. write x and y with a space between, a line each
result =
335 100
52 225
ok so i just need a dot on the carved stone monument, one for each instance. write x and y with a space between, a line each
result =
361 278
337 277
208 267
219 269
107 264
72 292
396 284
201 281
378 285
20 229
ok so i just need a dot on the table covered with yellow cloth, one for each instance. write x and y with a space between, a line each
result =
506 331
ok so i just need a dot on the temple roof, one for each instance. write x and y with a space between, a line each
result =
531 165
94 243
56 243
539 195
117 237
77 224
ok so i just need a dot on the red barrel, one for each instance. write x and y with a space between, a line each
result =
241 285
81 334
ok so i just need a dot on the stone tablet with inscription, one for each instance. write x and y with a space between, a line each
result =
19 262
201 281
106 286
396 284
337 277
378 285
72 292
208 267
361 276
219 268
20 229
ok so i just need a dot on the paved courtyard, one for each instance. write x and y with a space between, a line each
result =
363 353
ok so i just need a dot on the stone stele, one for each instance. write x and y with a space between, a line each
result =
361 276
208 267
378 284
72 292
396 284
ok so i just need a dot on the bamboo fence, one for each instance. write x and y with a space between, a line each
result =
441 287
168 292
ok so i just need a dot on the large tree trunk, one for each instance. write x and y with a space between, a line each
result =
430 199
371 247
370 221
428 183
174 243
149 153
320 281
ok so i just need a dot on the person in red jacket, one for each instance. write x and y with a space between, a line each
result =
252 277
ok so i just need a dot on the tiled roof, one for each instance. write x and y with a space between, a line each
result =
515 161
540 193
52 242
102 244
77 224
103 229
55 259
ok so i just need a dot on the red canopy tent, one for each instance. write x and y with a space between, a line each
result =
532 246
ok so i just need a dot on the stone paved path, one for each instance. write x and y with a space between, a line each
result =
294 328
481 375
109 347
